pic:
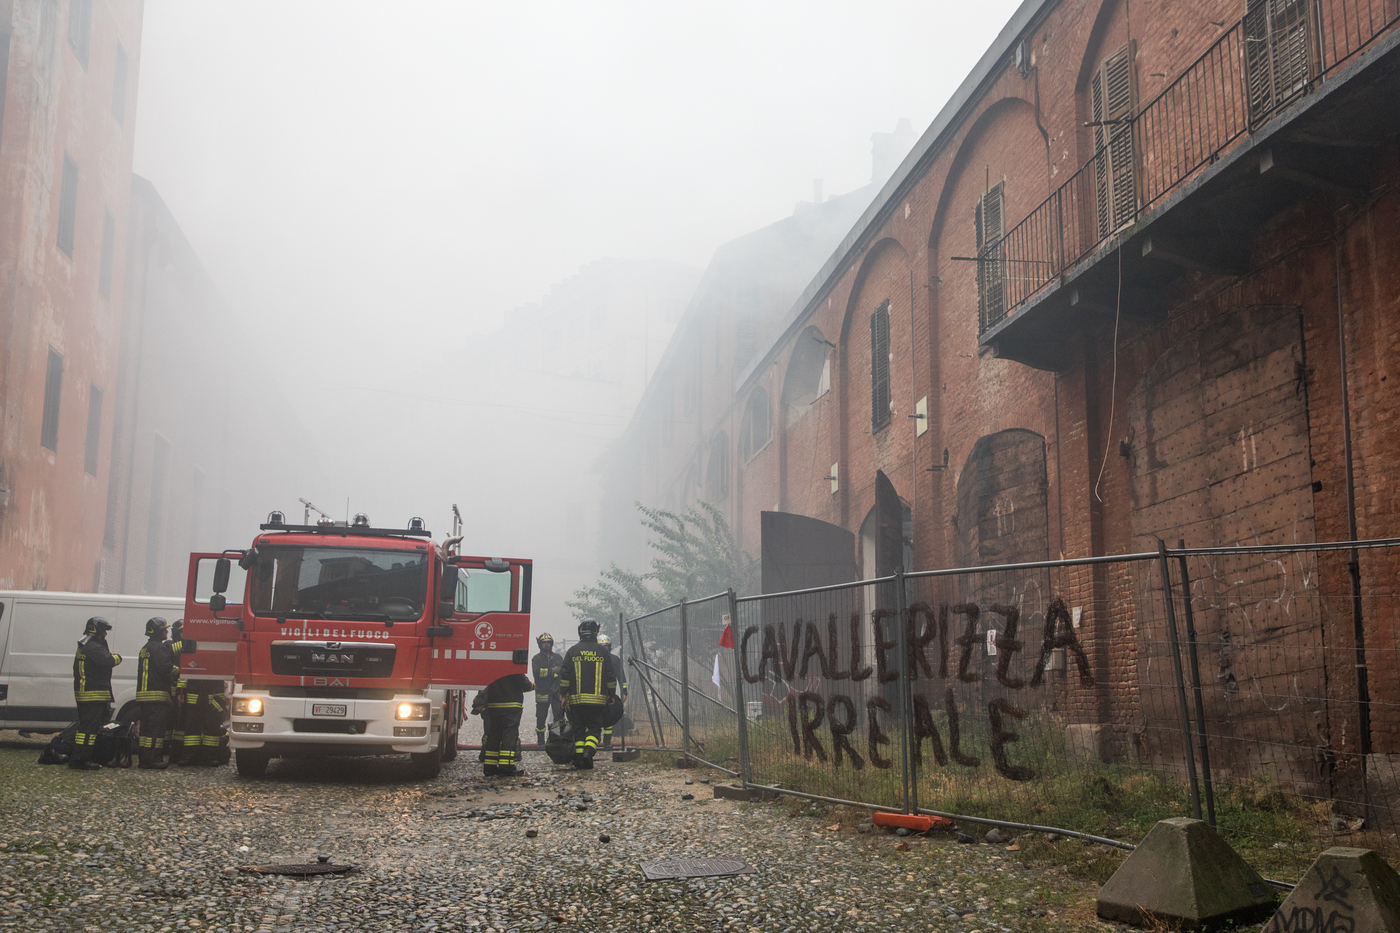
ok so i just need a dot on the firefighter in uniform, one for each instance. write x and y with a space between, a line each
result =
545 667
156 674
505 702
619 674
175 736
586 686
92 690
205 705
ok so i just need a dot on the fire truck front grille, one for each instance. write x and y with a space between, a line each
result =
339 727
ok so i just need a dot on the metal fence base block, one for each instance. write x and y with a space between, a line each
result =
631 754
733 791
1184 874
1345 889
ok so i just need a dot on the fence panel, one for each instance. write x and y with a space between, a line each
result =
821 693
655 704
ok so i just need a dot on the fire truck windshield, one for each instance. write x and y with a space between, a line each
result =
336 582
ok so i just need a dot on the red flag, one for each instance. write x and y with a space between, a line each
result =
727 639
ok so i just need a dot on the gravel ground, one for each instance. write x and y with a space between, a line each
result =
162 851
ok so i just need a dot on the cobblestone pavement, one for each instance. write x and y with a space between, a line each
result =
162 851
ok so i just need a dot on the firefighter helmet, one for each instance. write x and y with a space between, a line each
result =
545 637
605 643
177 629
588 628
95 625
155 626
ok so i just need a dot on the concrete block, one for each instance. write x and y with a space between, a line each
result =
631 754
1347 890
1085 741
1184 874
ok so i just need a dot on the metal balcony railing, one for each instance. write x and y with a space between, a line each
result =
1260 65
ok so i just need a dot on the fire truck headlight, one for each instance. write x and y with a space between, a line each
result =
412 711
247 706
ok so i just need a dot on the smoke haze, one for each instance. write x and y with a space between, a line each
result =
373 186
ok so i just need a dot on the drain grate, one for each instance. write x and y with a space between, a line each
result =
694 868
322 866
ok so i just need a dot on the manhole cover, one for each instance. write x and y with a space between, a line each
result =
322 866
694 868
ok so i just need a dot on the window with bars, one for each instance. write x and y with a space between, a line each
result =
1277 54
119 87
155 513
80 29
53 394
1113 97
757 426
94 430
104 268
717 473
991 270
880 367
67 205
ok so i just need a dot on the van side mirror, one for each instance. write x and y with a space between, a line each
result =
221 572
217 603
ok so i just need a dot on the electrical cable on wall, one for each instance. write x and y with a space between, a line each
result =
1113 384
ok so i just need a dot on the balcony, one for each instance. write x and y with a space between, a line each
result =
1298 96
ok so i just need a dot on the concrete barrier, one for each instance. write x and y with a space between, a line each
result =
1184 874
1347 891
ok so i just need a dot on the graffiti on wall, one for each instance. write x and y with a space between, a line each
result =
940 646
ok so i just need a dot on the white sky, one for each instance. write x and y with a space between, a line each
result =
352 169
369 182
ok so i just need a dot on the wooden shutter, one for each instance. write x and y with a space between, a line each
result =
1277 53
1114 101
880 367
991 270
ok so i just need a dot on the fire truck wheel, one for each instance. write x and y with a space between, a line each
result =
449 751
428 764
251 762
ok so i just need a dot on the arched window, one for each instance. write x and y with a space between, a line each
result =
808 374
717 471
756 427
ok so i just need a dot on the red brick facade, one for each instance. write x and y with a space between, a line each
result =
1245 447
69 98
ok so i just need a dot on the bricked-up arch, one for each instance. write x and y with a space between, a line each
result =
808 375
1218 444
1002 517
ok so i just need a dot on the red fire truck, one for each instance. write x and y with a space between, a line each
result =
344 639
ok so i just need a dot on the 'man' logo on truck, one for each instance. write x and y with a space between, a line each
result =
318 658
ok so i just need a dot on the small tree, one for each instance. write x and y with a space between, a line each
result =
696 556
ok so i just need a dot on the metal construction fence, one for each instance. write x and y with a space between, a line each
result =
1255 687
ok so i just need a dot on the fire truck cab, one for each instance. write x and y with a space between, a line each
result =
345 639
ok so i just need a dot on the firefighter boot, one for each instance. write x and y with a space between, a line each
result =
150 761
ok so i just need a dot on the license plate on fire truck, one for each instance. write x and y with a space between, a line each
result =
328 709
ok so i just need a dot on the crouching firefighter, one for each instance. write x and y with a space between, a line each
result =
619 674
586 686
545 666
92 690
156 674
505 702
204 713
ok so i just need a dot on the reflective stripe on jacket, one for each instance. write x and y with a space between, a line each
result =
92 670
587 677
156 672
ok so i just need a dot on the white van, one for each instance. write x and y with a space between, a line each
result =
39 634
